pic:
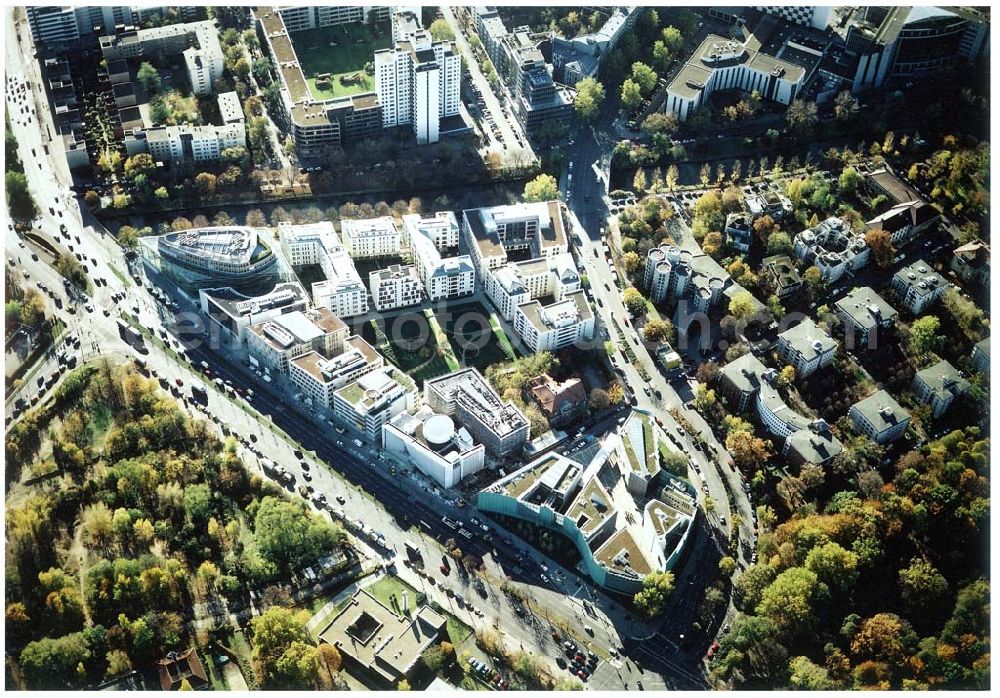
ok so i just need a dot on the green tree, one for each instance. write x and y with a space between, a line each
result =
589 95
639 181
665 123
727 566
298 667
205 183
55 664
542 188
779 243
20 202
657 330
801 116
880 243
634 301
441 31
751 584
807 676
656 589
644 77
849 180
288 535
742 306
139 164
673 40
922 587
149 78
924 337
631 94
833 565
793 599
272 633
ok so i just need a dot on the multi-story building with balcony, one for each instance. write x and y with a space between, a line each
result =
880 418
396 286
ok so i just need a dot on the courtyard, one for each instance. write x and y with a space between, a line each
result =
340 52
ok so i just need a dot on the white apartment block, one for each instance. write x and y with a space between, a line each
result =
343 291
418 82
186 143
520 282
396 287
318 377
230 108
833 248
807 347
198 42
371 237
918 286
66 24
426 236
938 386
490 232
880 418
370 402
300 17
557 325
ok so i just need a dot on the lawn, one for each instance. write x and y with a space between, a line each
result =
340 51
458 632
406 340
476 336
389 592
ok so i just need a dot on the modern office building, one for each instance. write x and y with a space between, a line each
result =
864 312
418 80
806 347
917 286
273 343
833 248
491 232
212 257
443 452
319 376
397 286
342 291
624 514
938 386
817 17
371 237
426 237
537 100
64 26
893 44
880 418
235 312
721 63
369 402
499 426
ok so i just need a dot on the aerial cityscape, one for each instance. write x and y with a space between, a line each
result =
605 348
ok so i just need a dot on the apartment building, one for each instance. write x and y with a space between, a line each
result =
580 57
273 343
396 286
880 418
864 313
213 256
981 356
833 248
784 277
319 377
301 17
186 143
905 221
806 347
491 232
418 80
465 395
62 26
938 386
342 291
371 237
739 231
519 282
197 42
917 286
368 403
972 263
557 325
443 277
